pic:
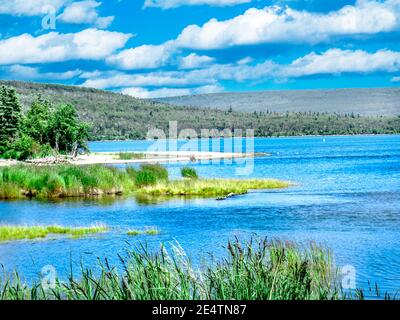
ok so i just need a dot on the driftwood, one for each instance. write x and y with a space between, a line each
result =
48 161
230 195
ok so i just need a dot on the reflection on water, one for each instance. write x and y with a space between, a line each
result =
347 197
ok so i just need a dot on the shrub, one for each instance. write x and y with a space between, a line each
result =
45 151
23 148
190 173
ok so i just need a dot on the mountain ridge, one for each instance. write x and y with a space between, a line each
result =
363 101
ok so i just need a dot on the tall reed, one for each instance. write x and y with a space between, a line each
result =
251 271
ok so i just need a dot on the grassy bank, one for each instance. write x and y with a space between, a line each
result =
11 233
63 181
210 187
251 271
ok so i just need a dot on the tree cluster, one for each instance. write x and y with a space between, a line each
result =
44 130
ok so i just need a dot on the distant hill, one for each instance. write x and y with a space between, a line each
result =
116 116
359 101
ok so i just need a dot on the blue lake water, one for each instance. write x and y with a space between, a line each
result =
346 196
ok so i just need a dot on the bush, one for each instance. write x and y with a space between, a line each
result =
145 178
159 171
23 148
45 151
190 173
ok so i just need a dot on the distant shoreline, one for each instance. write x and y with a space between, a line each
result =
267 137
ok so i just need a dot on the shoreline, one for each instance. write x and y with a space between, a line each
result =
257 137
155 157
112 158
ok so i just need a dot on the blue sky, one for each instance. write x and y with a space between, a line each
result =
154 48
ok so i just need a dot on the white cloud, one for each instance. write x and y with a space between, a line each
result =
54 47
193 61
245 60
143 57
168 4
206 76
336 61
29 7
278 24
31 73
395 79
85 12
143 93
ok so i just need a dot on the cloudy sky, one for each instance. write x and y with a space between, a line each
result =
153 48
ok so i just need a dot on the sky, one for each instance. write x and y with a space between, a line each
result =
159 48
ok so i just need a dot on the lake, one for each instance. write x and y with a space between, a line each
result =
346 196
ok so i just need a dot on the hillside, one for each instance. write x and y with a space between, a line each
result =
358 101
116 116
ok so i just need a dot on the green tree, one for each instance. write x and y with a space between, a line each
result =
10 116
36 121
66 132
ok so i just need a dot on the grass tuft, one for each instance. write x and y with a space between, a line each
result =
189 173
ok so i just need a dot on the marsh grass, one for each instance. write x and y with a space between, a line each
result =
12 233
147 231
259 270
210 187
63 181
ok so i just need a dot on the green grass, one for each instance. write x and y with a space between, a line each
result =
150 231
62 181
251 271
210 187
189 173
254 270
12 233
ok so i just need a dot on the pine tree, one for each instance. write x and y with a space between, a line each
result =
10 116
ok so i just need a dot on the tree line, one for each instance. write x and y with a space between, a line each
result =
44 130
114 116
